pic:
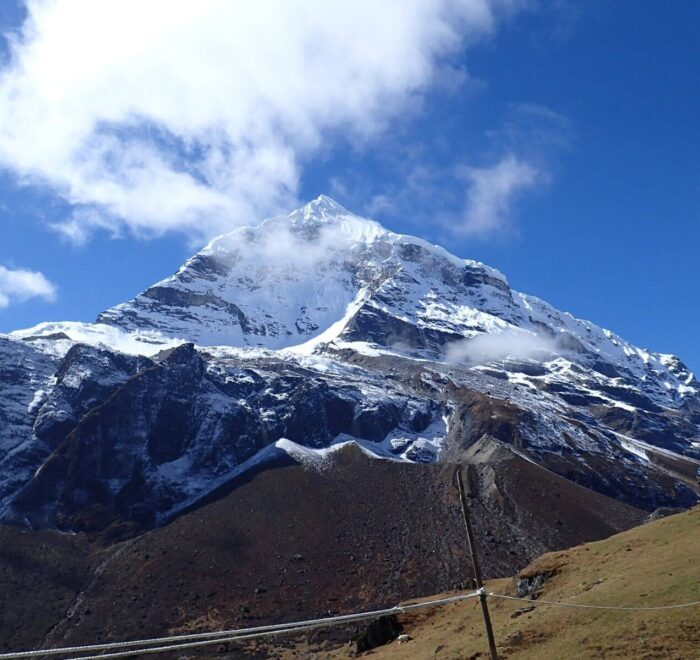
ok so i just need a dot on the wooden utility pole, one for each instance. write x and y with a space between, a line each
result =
477 568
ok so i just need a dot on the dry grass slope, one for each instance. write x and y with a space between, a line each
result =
654 564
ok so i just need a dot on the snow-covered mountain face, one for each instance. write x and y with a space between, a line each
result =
315 329
329 279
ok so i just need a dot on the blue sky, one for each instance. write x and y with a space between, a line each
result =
556 141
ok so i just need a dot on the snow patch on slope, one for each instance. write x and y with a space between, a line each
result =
58 337
334 330
319 458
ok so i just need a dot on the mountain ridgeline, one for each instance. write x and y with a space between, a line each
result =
285 343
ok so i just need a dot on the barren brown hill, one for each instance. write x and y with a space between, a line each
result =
294 542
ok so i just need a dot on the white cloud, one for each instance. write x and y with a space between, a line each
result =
513 344
535 133
19 284
492 193
196 116
457 197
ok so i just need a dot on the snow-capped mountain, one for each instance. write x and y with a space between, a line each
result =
286 340
325 277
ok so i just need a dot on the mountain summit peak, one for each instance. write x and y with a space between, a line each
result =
323 207
326 203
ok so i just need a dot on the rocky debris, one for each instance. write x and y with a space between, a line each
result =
383 630
529 586
662 512
521 611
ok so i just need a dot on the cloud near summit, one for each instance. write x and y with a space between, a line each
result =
197 116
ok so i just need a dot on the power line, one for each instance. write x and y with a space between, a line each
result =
207 642
598 607
194 640
181 642
235 634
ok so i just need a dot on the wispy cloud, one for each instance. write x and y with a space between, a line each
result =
534 132
198 116
19 284
509 344
492 193
528 145
478 198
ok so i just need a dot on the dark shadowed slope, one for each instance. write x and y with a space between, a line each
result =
301 541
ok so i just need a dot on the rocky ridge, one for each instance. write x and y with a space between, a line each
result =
284 342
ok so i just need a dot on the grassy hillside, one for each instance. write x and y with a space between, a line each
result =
654 564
